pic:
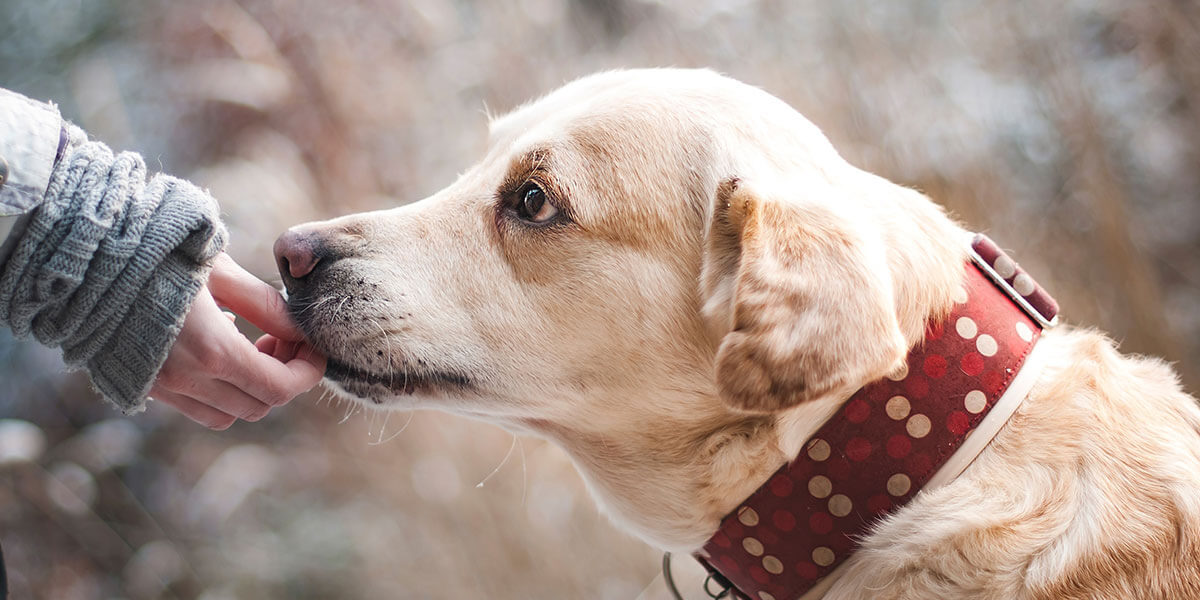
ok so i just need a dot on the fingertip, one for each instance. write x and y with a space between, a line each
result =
266 344
285 400
222 424
277 318
257 415
286 351
307 373
252 298
312 355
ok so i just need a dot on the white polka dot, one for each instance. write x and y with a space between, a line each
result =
1023 284
765 596
1024 331
899 373
823 556
820 486
753 546
899 484
818 450
986 345
918 426
747 516
960 295
772 565
975 402
897 408
840 505
1005 267
966 327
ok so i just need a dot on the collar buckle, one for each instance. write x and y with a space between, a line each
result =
982 247
726 590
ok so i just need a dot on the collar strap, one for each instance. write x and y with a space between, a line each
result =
889 440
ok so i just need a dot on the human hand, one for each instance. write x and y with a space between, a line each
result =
214 375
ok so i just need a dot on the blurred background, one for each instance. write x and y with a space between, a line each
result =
1070 131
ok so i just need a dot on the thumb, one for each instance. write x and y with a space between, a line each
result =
238 290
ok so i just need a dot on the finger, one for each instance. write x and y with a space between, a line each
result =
275 382
194 410
238 290
306 351
267 344
230 400
284 351
278 349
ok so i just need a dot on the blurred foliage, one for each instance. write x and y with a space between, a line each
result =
1070 131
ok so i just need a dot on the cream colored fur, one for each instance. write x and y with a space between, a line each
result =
724 281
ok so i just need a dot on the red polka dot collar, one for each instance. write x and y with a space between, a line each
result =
891 439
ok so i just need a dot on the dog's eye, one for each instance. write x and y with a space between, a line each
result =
534 206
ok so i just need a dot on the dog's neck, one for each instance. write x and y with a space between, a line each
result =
669 478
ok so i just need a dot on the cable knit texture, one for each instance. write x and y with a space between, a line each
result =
108 266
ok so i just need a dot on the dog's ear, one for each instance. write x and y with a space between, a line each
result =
801 297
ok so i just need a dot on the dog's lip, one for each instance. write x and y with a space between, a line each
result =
403 382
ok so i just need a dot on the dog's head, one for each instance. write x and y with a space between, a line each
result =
635 246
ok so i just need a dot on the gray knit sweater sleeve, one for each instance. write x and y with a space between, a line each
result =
108 266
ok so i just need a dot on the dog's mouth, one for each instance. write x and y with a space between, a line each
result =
406 381
359 369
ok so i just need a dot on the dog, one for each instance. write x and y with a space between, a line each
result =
676 278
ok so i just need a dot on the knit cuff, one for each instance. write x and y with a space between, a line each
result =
108 266
125 369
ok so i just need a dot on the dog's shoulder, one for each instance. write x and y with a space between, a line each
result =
1091 490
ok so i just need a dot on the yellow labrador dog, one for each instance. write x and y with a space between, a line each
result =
675 277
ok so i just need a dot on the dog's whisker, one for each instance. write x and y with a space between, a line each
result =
397 433
524 470
373 416
405 425
350 410
326 395
383 428
387 340
305 308
336 312
502 462
369 417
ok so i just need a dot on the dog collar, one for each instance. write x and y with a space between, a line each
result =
891 439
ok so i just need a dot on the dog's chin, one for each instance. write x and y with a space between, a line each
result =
393 389
358 394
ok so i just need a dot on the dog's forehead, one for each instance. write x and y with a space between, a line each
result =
639 94
670 112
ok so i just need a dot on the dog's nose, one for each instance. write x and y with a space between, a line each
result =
296 256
